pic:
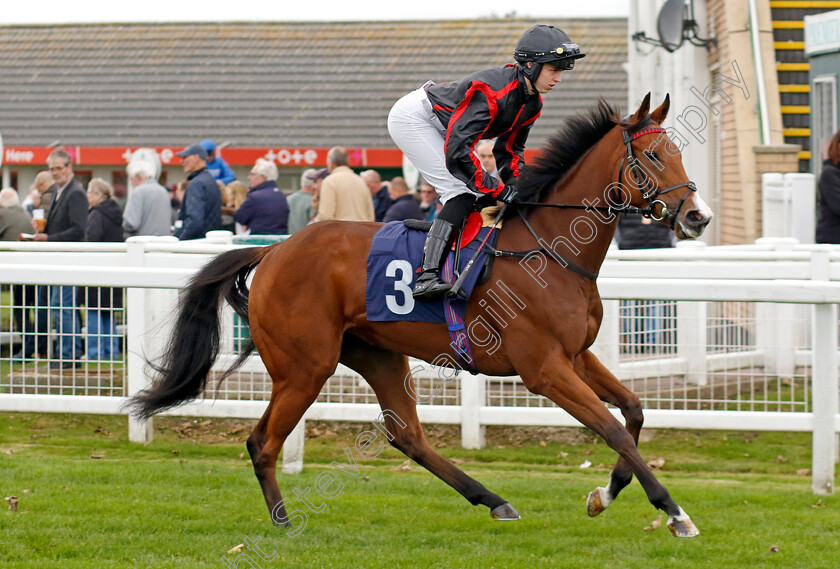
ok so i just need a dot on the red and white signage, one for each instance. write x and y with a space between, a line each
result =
283 157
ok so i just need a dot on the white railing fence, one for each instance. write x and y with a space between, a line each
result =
739 337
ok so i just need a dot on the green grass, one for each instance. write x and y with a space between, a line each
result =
5 307
146 506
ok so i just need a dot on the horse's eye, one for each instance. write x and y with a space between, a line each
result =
653 156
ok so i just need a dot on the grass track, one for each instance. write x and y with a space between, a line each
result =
147 507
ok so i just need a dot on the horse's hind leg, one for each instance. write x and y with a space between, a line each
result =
610 390
292 394
385 372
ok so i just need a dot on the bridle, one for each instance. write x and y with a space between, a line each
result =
643 183
652 197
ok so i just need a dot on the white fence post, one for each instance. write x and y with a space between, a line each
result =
824 384
824 388
691 340
775 336
473 397
139 431
776 331
293 449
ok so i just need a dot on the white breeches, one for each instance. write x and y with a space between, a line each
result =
421 136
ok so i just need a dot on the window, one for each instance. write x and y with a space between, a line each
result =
84 176
823 117
120 183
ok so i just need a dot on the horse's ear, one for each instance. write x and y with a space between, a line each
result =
660 113
643 109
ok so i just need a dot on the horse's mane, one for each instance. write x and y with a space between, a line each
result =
573 139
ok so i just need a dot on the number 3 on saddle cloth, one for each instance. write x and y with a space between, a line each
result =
393 265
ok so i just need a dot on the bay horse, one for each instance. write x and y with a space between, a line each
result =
306 309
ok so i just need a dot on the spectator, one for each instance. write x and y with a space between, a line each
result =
828 189
484 150
265 211
66 222
105 220
378 192
404 206
300 202
227 207
33 197
344 195
14 220
201 206
176 196
104 224
429 201
238 192
148 211
319 176
216 165
638 232
41 193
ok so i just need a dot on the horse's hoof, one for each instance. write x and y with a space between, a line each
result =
504 513
278 515
597 502
682 526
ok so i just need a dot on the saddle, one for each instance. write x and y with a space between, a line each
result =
393 264
469 231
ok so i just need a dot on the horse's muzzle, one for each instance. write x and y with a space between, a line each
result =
692 221
693 224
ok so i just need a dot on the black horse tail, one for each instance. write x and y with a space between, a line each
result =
194 345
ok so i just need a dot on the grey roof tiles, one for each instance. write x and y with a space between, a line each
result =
265 84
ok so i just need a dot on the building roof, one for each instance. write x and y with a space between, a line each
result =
265 84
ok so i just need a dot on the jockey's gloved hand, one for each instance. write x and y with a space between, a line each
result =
508 194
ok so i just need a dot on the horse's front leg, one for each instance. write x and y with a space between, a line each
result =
554 377
610 390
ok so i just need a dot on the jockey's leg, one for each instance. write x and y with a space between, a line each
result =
422 137
444 229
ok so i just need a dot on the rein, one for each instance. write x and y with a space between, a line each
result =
651 197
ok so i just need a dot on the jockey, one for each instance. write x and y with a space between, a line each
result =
438 126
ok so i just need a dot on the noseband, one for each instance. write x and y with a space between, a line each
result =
643 182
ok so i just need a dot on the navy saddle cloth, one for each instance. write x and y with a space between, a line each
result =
392 268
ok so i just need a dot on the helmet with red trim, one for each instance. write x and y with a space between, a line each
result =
545 44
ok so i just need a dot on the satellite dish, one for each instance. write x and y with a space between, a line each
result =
669 25
676 24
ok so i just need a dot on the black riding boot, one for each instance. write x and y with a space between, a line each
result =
429 285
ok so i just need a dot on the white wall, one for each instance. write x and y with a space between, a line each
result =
652 69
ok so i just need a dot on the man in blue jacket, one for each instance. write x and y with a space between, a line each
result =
201 210
265 211
216 165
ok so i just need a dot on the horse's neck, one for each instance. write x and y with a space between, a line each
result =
582 237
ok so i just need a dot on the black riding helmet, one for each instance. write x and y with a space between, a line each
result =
545 44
